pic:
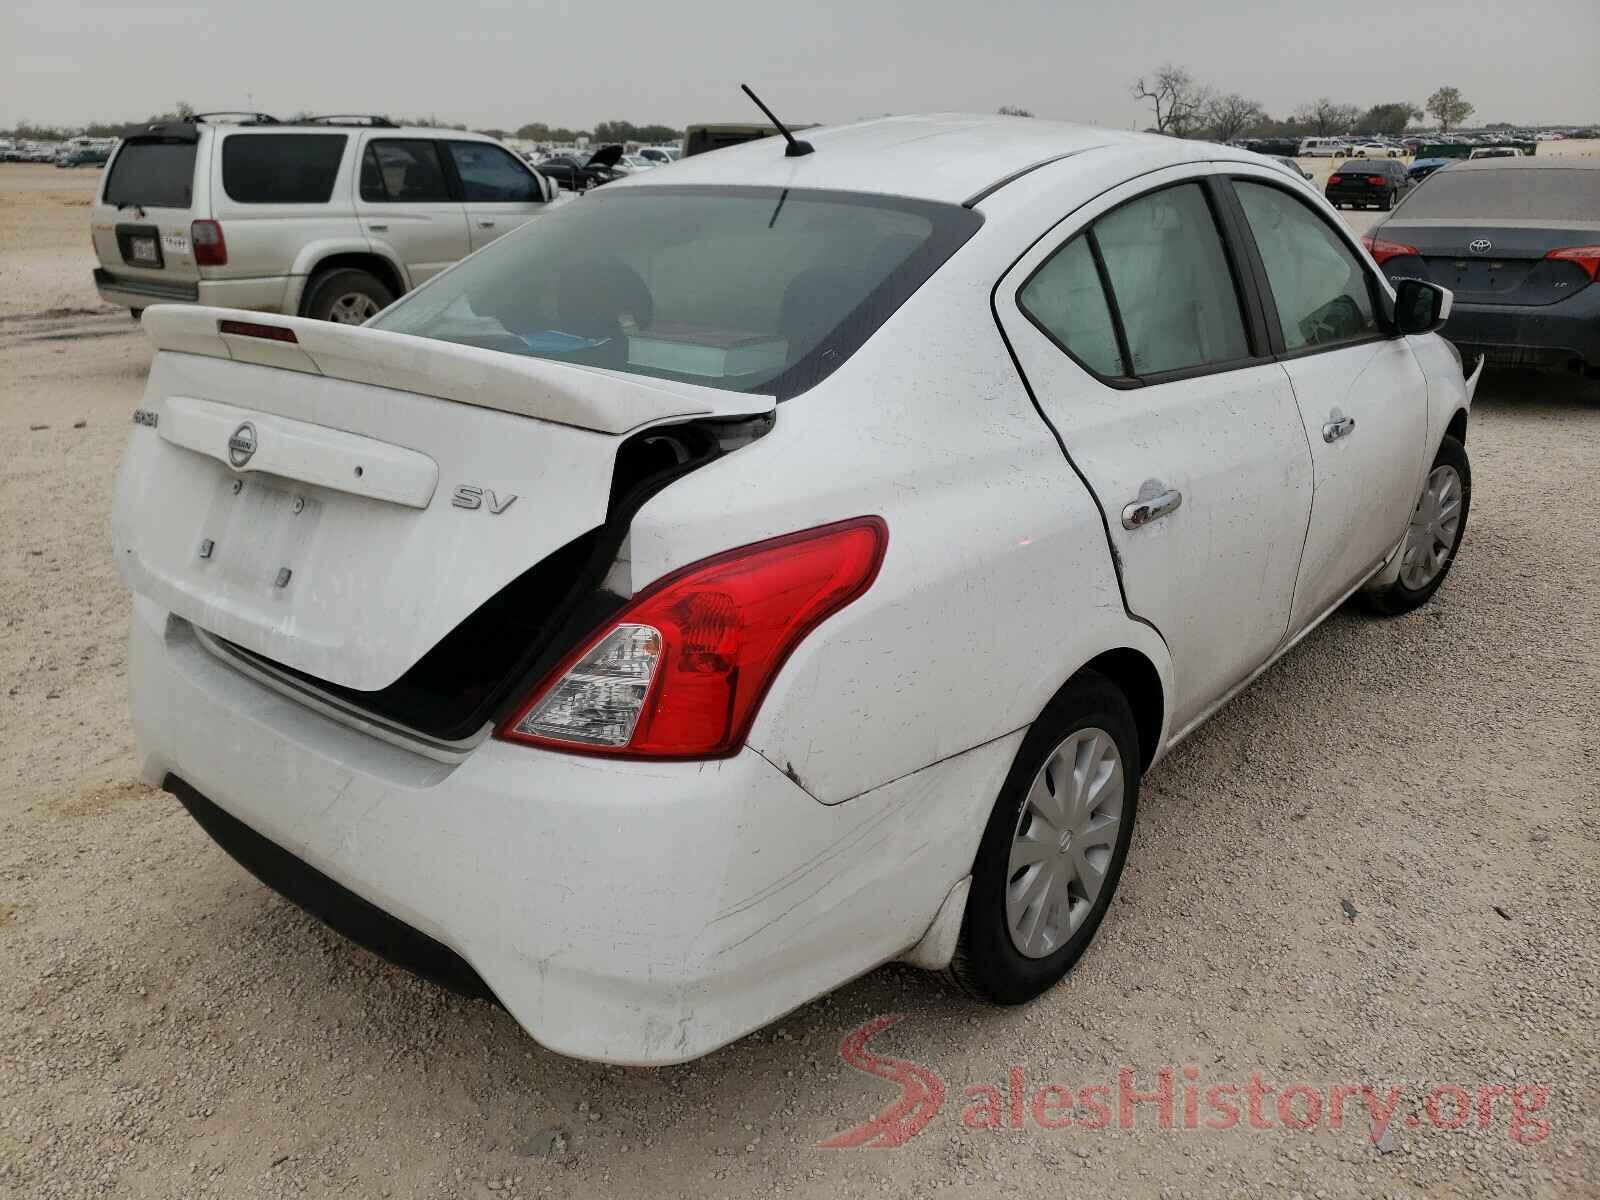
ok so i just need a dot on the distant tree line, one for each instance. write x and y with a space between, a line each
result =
1186 107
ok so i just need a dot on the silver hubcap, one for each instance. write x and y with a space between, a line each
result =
1433 529
353 308
1065 837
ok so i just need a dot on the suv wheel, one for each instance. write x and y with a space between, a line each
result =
347 296
1053 850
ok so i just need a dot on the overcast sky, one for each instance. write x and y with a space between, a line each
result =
574 63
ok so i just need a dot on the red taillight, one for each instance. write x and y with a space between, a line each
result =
682 669
1382 250
1335 179
276 333
1376 180
209 248
1586 258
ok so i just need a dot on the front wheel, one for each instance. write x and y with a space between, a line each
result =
1434 535
1054 847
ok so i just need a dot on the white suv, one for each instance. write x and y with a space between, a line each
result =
322 219
1324 147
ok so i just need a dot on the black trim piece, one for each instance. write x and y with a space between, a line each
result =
979 197
156 289
363 922
1127 378
1225 211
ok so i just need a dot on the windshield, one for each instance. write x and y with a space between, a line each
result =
1509 194
747 289
152 175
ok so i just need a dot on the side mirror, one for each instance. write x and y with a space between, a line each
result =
1420 307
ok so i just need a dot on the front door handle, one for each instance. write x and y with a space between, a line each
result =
378 226
1336 429
1141 512
485 224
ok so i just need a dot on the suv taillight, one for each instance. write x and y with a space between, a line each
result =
682 669
1585 258
210 250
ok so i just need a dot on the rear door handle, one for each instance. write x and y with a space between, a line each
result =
485 224
1334 430
1141 512
378 226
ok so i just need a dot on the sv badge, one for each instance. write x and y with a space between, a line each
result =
467 496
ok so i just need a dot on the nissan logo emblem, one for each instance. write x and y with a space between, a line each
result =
242 444
1480 245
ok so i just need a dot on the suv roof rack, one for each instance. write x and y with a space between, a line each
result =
377 122
251 118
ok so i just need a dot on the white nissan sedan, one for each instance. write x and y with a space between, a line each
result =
775 566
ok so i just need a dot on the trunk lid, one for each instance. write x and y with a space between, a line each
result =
1484 264
338 504
147 202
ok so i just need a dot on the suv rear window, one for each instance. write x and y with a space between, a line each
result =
152 174
742 288
1512 193
281 168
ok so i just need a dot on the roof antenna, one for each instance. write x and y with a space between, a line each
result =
796 149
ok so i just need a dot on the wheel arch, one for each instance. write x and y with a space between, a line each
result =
318 260
1140 682
1457 428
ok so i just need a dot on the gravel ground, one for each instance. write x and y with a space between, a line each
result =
1375 866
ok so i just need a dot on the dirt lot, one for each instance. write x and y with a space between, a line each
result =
1378 866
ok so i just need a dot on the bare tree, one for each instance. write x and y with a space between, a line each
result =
1448 108
1229 116
1326 117
1013 110
1179 101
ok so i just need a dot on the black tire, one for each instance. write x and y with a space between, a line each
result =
331 291
136 313
1397 598
987 965
1388 202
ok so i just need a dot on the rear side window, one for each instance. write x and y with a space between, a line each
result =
404 171
153 174
281 168
492 175
1171 283
1320 289
1509 193
1065 300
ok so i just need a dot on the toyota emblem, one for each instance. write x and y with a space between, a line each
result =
242 444
1480 245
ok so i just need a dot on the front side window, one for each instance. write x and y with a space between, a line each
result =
743 288
403 171
1170 282
1322 295
281 168
492 175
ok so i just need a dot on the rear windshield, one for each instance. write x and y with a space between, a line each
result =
155 174
1528 194
281 168
746 289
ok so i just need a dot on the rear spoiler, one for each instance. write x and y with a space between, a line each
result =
612 402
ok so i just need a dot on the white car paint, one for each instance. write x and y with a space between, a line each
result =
648 912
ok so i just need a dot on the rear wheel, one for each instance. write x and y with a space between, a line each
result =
1388 202
347 296
1054 848
1434 535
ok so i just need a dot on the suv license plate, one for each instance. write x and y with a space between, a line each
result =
143 250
